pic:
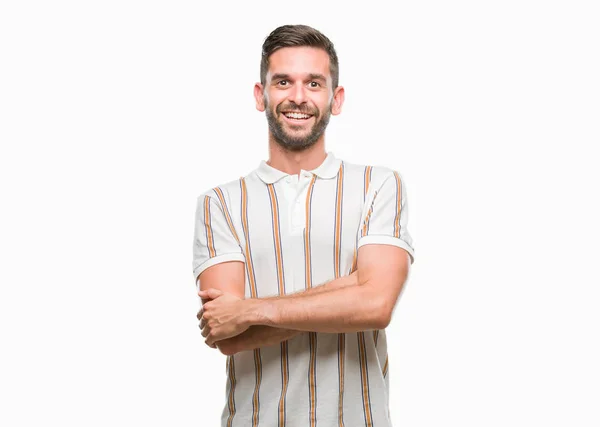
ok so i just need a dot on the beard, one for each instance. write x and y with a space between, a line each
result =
289 141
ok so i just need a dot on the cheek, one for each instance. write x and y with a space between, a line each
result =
273 99
322 102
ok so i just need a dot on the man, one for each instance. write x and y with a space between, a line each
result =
300 263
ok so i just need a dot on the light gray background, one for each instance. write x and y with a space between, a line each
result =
116 115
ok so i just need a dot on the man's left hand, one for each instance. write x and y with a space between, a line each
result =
221 316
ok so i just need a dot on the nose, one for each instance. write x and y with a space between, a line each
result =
298 94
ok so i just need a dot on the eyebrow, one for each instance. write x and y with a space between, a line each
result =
317 77
278 76
312 76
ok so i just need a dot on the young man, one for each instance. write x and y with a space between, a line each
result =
300 263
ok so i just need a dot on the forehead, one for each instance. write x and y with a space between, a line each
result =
299 60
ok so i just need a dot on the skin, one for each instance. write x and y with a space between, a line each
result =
299 80
290 86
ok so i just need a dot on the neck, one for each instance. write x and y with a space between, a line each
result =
292 162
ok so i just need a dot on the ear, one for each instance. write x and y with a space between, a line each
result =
338 100
258 96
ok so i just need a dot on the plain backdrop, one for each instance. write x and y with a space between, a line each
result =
116 115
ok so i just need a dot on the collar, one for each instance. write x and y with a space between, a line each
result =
327 170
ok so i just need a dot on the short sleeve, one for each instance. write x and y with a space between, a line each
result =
215 238
386 220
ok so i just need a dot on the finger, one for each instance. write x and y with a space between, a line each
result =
202 323
214 293
199 315
205 331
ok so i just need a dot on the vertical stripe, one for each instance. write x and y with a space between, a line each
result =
230 359
337 244
364 375
385 367
368 170
307 247
362 352
258 378
254 294
281 286
398 205
207 226
312 336
341 371
363 229
285 372
219 194
367 182
277 238
249 263
231 400
312 378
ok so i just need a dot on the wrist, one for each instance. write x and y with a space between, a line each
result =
258 312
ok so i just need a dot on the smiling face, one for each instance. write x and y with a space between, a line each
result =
298 96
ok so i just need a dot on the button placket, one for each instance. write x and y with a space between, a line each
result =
298 221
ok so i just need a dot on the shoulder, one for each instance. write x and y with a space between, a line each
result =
221 191
375 174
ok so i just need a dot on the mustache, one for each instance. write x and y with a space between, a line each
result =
293 107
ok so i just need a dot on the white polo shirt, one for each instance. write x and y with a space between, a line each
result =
293 233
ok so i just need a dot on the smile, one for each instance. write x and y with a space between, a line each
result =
296 117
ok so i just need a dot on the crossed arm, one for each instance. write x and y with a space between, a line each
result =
361 301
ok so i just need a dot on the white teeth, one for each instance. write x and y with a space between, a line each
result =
297 115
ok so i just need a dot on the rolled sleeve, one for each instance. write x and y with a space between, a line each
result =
215 238
386 220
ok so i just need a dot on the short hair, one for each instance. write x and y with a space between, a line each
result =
297 36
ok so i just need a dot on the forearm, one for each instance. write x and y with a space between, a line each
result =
345 309
264 335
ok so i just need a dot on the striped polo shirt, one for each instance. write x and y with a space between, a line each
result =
294 232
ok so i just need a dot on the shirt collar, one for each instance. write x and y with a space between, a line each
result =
327 170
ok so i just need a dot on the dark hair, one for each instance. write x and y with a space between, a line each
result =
296 36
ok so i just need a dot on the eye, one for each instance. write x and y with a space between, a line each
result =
314 84
282 83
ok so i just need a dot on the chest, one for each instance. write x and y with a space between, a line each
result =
299 232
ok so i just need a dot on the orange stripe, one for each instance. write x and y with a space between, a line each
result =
219 194
254 294
280 279
365 383
231 374
258 376
276 237
285 380
398 205
338 221
311 335
341 360
307 233
249 264
313 378
376 336
385 367
361 335
209 234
